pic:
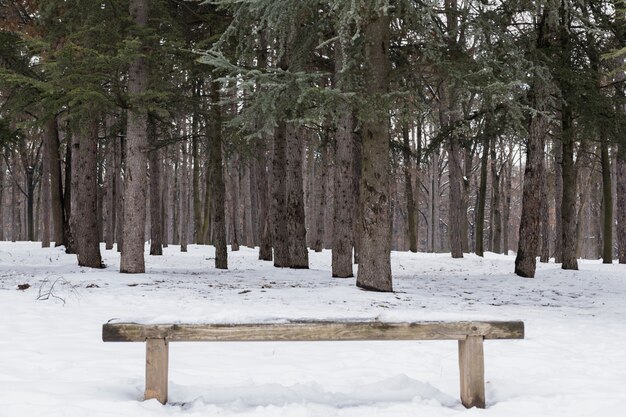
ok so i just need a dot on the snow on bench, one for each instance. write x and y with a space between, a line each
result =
470 335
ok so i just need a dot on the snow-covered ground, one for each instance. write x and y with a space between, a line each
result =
53 362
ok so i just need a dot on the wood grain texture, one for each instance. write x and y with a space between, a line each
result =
312 331
472 370
157 357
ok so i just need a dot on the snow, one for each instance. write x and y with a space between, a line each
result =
53 362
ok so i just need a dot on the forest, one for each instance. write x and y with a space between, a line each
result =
360 126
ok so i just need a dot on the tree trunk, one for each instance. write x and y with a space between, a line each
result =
71 178
232 170
246 194
545 219
607 204
621 202
343 227
456 216
482 197
265 244
86 224
298 252
496 202
45 186
184 198
508 189
568 209
2 222
132 259
198 238
119 191
165 193
374 271
411 209
56 186
156 235
528 245
111 195
280 234
319 210
218 189
558 201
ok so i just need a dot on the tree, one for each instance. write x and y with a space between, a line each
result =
375 245
132 259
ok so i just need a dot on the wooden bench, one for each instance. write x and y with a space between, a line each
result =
470 336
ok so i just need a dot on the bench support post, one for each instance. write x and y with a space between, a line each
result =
472 367
157 353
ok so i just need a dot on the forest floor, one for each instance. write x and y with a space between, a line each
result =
53 362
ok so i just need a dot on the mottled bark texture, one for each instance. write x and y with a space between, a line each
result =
218 188
265 233
156 235
529 233
133 232
544 220
411 204
607 205
56 186
343 227
558 201
568 209
621 203
374 271
86 224
298 252
184 198
343 223
45 187
280 237
482 197
319 208
496 203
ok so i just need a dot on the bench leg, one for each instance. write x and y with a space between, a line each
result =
157 353
472 367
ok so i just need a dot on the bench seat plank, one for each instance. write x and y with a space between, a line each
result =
313 331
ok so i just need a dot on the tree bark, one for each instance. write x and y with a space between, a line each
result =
545 219
568 209
496 202
319 208
343 227
482 195
280 234
86 224
508 189
265 244
56 186
197 203
218 189
156 235
298 252
607 204
411 209
184 198
232 170
528 245
45 186
621 202
2 175
119 191
132 259
374 271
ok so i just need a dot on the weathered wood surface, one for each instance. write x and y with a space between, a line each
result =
472 370
313 331
157 358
